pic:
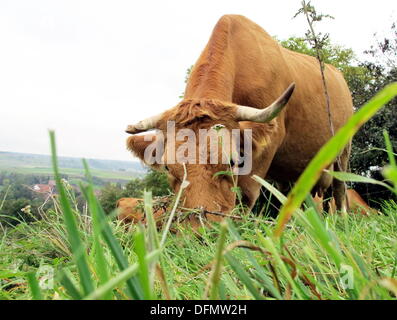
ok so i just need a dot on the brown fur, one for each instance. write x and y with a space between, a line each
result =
197 111
355 204
129 211
243 65
137 145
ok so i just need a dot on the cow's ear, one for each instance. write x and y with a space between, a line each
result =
149 148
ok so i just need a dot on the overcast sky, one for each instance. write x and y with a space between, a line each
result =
88 68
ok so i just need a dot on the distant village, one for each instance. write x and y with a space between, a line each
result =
49 189
46 189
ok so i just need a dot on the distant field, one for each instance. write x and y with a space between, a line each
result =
108 175
112 170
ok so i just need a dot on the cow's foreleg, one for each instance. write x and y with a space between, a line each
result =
339 187
340 196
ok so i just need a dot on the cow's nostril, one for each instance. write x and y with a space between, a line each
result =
240 162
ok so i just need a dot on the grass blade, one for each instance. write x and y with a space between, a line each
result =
140 250
76 244
126 274
153 238
328 153
351 177
270 246
69 286
265 279
184 184
216 271
389 148
244 277
390 172
133 285
98 252
34 286
97 249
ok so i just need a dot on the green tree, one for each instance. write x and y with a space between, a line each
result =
12 211
154 181
133 189
157 182
368 156
109 195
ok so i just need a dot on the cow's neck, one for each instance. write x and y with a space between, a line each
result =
213 75
211 82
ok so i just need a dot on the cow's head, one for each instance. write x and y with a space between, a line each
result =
200 139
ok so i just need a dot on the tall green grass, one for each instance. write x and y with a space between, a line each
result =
329 152
302 255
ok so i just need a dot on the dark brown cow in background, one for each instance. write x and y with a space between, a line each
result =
241 72
355 204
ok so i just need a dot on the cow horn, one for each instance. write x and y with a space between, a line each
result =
144 125
265 115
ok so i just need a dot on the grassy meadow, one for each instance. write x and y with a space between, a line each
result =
250 271
75 173
302 254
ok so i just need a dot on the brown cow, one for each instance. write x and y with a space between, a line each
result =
355 204
238 83
130 210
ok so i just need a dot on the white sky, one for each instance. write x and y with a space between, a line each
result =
89 68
